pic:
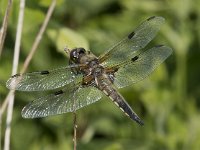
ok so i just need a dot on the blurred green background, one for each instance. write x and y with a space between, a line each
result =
168 101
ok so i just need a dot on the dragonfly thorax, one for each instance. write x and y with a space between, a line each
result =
93 68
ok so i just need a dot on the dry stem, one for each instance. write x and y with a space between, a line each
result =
33 49
14 71
10 97
39 36
5 25
75 127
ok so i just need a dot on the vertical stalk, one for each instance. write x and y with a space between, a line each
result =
39 36
75 127
5 25
14 71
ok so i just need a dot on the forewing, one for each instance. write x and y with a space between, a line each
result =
136 40
70 99
43 80
139 67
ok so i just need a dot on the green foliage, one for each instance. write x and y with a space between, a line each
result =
168 101
62 36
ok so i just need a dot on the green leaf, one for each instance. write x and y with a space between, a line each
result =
66 37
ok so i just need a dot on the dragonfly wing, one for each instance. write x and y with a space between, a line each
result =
43 80
139 67
70 99
136 40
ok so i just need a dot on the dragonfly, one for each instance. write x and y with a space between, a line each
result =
87 77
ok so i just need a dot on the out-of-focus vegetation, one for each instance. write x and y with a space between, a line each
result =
168 101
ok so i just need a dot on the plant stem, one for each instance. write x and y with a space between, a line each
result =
14 71
5 25
39 36
75 127
32 51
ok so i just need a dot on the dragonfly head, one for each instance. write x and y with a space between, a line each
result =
76 53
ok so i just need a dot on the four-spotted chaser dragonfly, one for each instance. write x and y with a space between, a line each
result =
88 78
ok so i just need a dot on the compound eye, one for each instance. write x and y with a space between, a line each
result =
76 54
73 54
82 51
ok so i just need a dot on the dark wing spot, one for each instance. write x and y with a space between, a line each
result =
44 72
58 92
159 45
134 58
151 18
16 75
131 35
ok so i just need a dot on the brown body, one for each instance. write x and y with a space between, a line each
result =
94 74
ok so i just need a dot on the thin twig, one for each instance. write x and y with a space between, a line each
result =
39 36
5 25
8 122
5 103
10 97
33 49
75 127
0 129
14 71
75 121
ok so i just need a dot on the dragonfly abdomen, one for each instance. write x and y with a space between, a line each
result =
124 106
118 99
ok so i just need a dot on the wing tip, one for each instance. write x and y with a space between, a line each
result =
156 17
13 81
169 49
9 84
30 114
150 18
24 113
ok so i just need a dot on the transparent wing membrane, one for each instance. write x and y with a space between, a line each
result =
40 81
67 100
139 67
136 40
